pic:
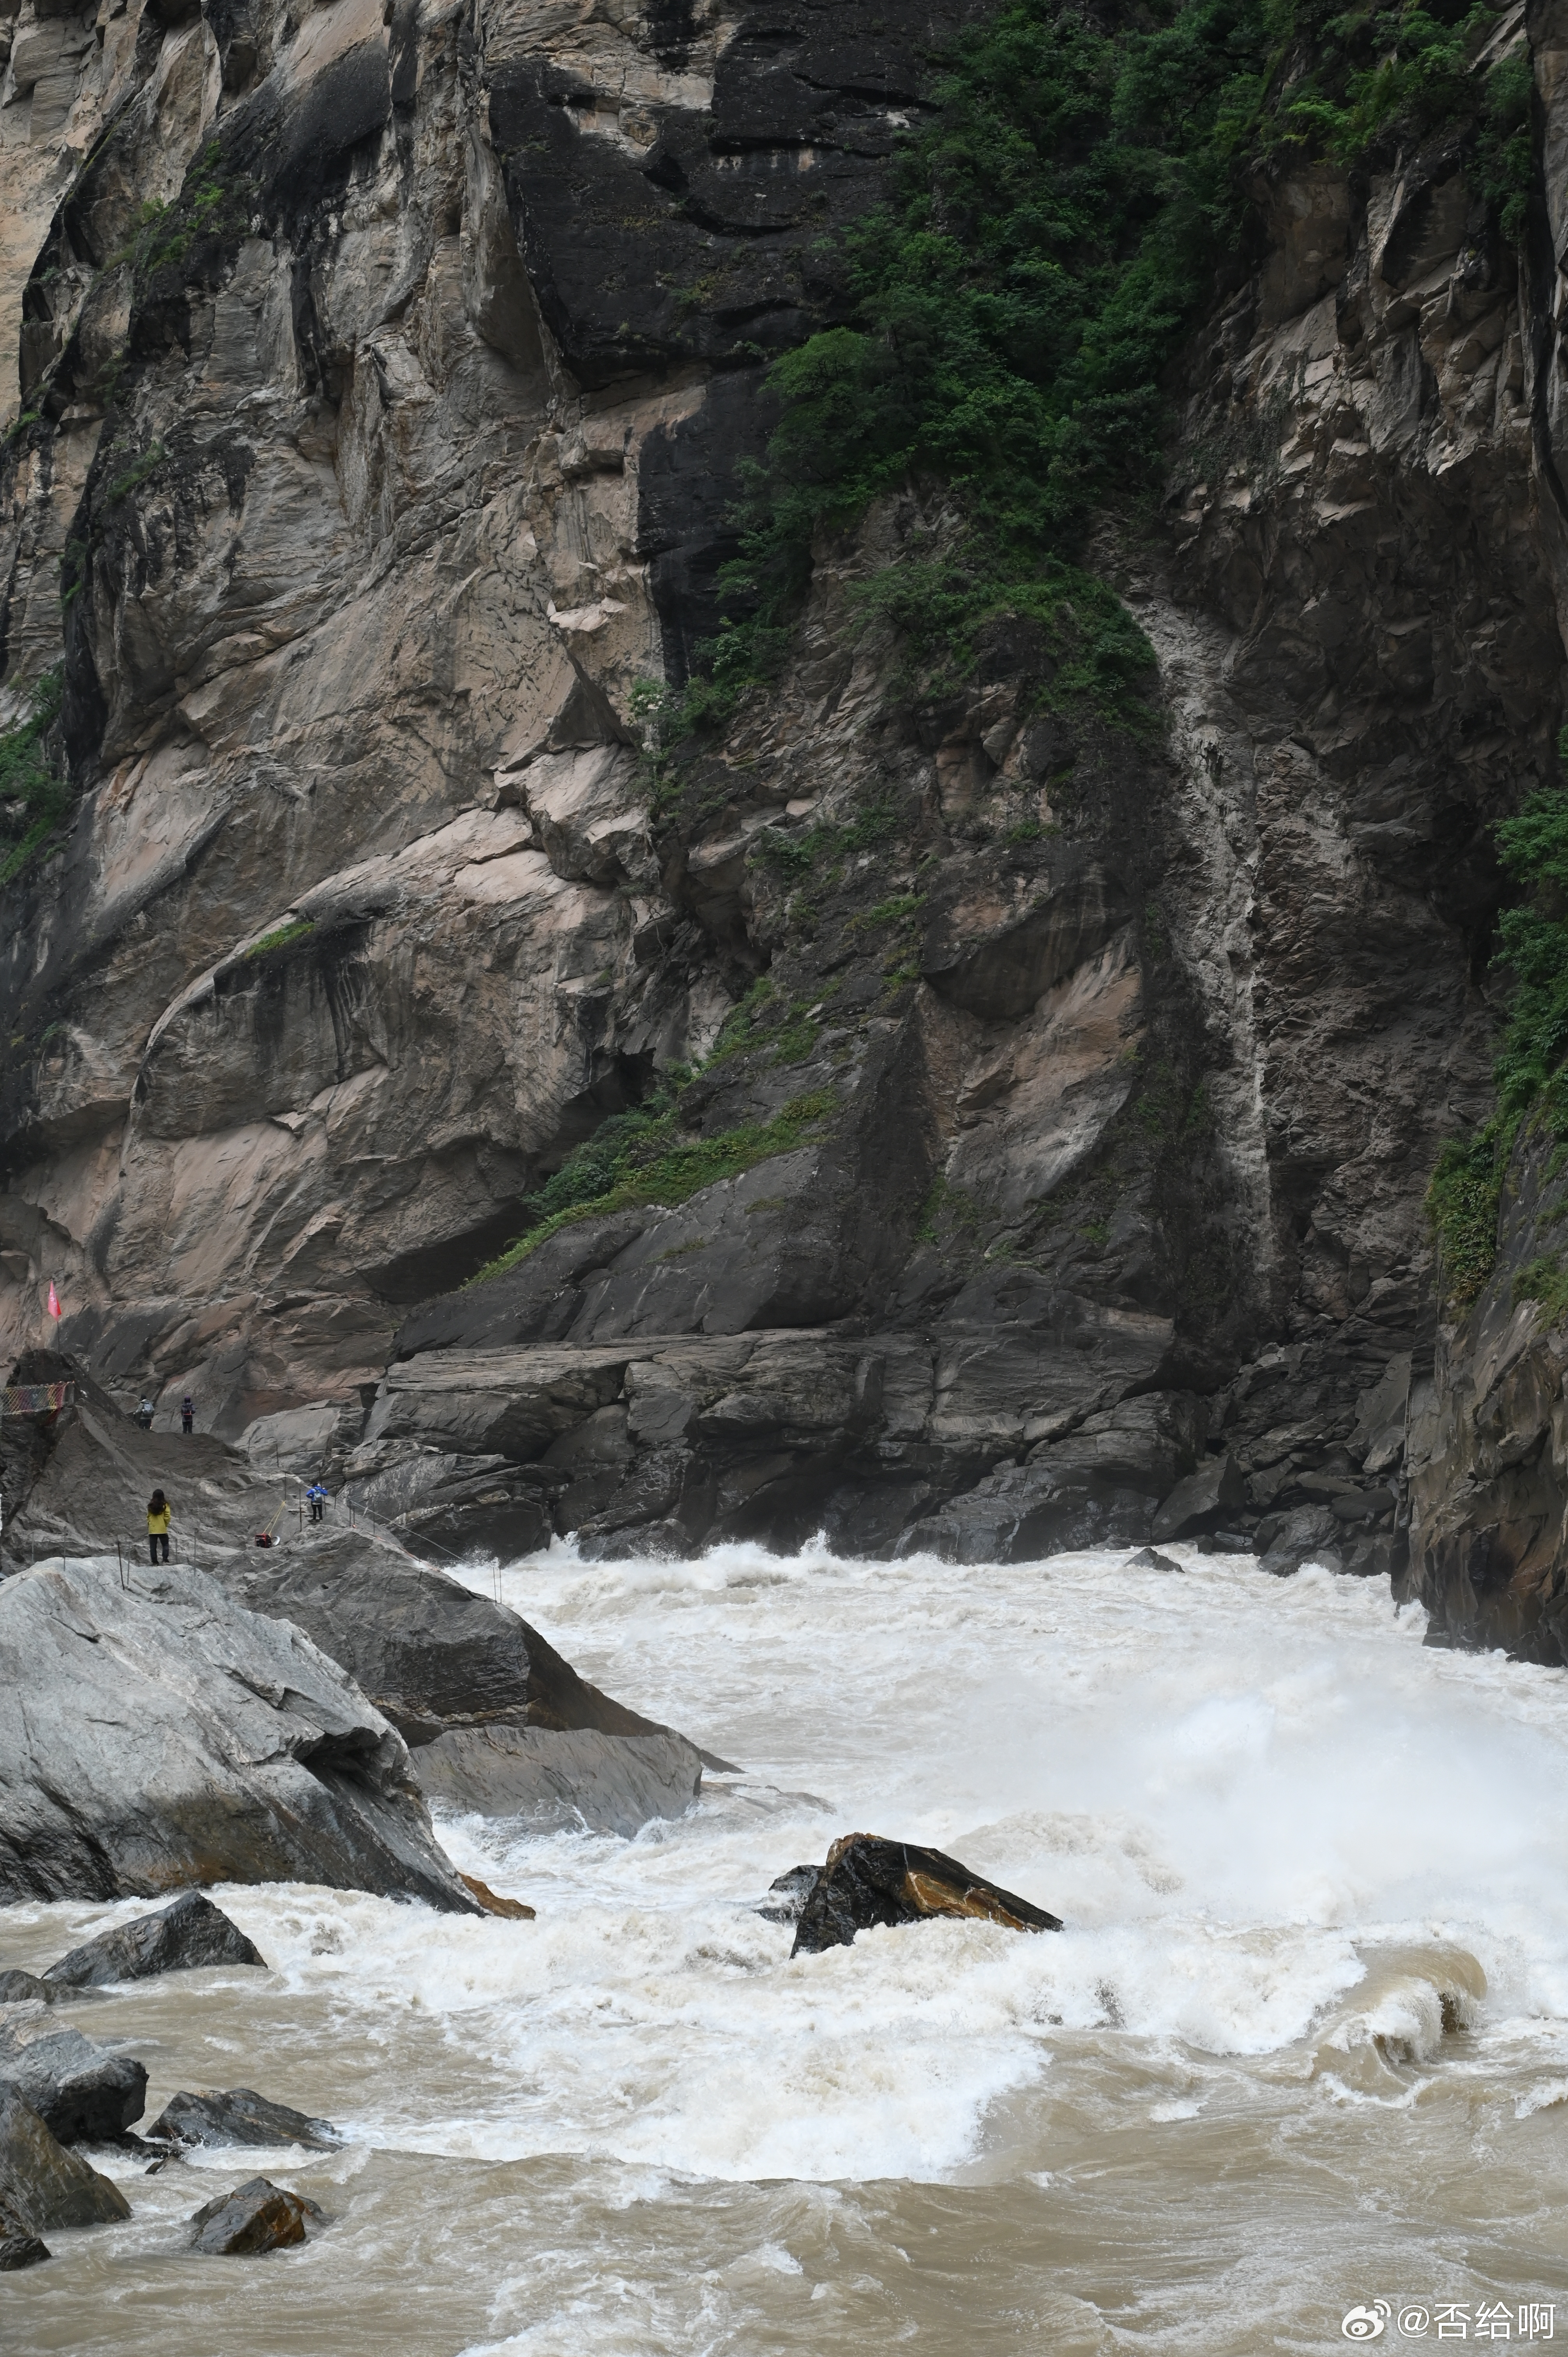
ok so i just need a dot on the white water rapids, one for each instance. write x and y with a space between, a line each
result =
1304 2044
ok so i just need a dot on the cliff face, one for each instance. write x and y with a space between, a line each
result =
1063 1103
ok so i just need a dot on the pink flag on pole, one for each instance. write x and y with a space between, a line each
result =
54 1301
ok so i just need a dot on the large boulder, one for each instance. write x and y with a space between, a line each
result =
190 1932
868 1881
610 1783
429 1652
158 1734
257 2216
41 2183
239 2115
83 2094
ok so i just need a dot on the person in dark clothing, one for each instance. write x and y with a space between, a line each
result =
316 1494
187 1415
144 1414
158 1512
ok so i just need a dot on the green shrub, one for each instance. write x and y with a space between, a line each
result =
1466 1194
282 937
646 1156
30 779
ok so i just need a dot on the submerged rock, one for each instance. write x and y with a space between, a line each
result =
1150 1559
181 1937
611 1783
82 2094
257 2216
19 2247
27 1988
788 1893
239 2115
163 1735
493 1903
42 2184
867 1880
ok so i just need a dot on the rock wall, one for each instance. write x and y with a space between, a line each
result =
380 389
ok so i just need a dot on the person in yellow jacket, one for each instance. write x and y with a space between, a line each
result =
158 1513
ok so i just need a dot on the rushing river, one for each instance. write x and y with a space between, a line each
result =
1303 2046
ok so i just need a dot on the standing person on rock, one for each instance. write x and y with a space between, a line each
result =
316 1494
158 1513
187 1415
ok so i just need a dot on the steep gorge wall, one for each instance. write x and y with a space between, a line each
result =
1095 1083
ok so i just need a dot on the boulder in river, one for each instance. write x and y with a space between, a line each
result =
611 1783
239 2115
181 1937
867 1880
788 1893
513 1910
158 1734
19 2247
27 1988
82 2094
43 2184
257 2216
429 1652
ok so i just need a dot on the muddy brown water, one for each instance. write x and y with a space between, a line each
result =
1301 2050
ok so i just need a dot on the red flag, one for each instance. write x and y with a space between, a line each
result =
54 1301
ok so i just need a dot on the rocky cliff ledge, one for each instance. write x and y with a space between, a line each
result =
1004 1116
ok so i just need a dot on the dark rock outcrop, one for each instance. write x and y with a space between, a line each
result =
867 1880
256 2217
19 2247
788 1893
82 2094
42 2184
238 2115
181 1937
160 1735
27 1988
431 1654
1488 1440
610 1783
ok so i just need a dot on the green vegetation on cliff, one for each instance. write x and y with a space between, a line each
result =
1532 1069
34 796
1051 233
651 1156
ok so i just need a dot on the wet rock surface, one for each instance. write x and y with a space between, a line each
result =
611 1783
788 1893
867 1881
511 1910
27 1988
158 1734
239 2115
43 2185
83 2094
255 2217
19 2247
431 1653
181 1937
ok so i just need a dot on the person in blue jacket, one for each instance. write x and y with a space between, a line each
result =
316 1494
